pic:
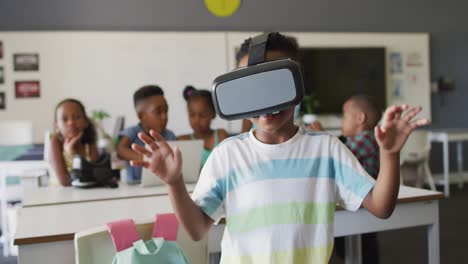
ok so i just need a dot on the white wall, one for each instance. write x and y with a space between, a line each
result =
103 69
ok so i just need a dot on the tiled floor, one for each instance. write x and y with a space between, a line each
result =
9 260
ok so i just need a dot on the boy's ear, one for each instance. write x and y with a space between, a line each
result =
362 118
140 114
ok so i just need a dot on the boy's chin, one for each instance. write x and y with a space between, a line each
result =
273 127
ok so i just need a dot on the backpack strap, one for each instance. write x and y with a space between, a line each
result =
123 233
166 226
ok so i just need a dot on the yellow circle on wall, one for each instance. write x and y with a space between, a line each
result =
222 8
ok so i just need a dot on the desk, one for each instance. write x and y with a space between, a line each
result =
54 195
446 136
45 233
415 207
51 228
37 167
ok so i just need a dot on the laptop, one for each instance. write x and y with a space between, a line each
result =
191 163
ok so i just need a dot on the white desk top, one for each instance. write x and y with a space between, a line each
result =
60 222
449 130
450 134
23 164
411 194
64 195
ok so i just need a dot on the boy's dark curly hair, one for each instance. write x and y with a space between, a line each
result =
276 42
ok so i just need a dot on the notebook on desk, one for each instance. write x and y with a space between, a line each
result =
191 162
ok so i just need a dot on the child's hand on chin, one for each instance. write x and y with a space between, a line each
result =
71 142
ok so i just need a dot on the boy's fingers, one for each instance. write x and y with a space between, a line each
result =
378 133
157 137
390 113
177 155
420 122
141 150
400 111
148 141
139 163
161 141
412 113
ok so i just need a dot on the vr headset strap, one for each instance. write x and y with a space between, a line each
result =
257 49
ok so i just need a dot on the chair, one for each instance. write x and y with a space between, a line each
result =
15 135
16 132
95 245
118 126
51 178
416 154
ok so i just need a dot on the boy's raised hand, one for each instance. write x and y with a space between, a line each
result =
396 127
162 160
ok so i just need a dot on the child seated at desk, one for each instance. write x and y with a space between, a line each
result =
74 134
201 112
152 109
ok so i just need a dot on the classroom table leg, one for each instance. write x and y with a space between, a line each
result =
445 146
353 249
3 201
460 163
433 240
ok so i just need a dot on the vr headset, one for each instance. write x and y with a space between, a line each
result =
260 88
87 174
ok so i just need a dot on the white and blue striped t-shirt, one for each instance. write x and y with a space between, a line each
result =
279 200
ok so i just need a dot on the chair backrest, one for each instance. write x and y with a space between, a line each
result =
118 126
16 132
52 180
417 147
96 246
47 136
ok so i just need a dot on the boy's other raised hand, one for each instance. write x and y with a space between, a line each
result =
161 159
396 127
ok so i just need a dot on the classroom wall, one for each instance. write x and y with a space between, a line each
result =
103 69
443 20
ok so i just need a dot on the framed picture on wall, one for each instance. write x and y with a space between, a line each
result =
2 75
2 101
26 62
27 89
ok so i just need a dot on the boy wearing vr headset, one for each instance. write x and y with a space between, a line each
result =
277 185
